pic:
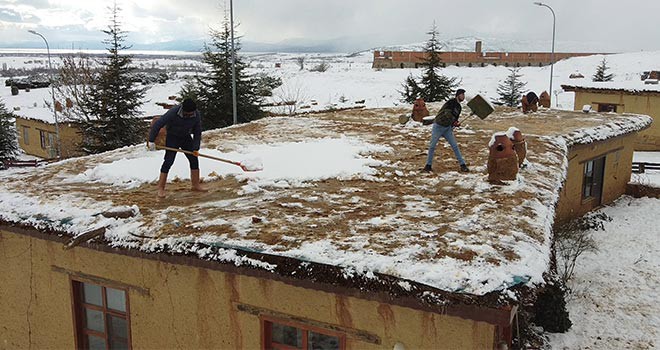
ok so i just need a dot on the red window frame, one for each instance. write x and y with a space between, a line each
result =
79 307
267 334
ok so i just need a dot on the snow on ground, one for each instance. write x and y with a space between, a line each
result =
290 163
351 80
614 304
649 177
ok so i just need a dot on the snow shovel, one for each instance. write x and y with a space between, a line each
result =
242 166
480 107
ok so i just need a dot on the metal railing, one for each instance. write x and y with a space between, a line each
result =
642 167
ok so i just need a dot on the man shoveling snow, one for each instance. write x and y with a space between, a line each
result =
181 121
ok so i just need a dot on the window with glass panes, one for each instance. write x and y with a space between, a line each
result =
592 180
282 335
102 316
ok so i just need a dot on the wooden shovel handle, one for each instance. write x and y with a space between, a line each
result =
203 155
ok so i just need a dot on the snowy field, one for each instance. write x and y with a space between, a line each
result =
615 290
350 81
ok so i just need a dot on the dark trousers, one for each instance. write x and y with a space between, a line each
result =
183 142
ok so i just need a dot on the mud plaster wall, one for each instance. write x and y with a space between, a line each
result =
618 162
184 307
649 139
70 138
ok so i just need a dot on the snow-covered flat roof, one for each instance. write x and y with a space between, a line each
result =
342 189
630 86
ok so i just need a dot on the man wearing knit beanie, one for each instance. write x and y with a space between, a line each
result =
181 121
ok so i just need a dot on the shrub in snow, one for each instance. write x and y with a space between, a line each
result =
321 67
511 89
550 309
573 239
301 62
266 83
601 72
8 145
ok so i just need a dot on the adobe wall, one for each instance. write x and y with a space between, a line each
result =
618 160
185 307
69 135
413 59
647 104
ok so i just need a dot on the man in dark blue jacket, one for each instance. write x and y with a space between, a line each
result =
181 122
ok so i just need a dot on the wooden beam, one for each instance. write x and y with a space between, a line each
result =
358 334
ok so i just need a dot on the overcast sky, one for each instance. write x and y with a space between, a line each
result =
617 25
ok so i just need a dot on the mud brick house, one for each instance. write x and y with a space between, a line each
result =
477 58
635 97
38 138
379 259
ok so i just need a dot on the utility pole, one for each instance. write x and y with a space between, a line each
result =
52 92
233 63
552 55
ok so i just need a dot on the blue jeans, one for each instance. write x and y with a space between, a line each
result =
448 134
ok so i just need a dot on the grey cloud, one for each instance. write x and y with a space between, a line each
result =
11 15
620 25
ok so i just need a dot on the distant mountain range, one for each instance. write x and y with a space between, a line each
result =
343 45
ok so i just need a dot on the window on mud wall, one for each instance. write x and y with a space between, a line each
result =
280 335
43 137
592 181
101 317
607 107
26 135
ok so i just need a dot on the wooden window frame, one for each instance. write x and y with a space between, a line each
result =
78 306
43 138
591 184
602 104
267 329
26 134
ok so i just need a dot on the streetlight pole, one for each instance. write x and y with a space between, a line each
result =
552 55
233 63
52 92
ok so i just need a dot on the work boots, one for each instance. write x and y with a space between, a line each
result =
162 180
195 182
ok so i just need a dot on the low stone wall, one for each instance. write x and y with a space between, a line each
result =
638 191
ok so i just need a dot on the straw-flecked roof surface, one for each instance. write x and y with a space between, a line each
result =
448 230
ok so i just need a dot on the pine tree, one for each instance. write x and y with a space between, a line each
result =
601 71
432 86
511 89
114 101
550 309
214 90
8 145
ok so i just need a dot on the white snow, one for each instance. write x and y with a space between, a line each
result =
649 177
614 304
289 164
351 79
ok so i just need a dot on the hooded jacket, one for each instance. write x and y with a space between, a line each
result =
179 126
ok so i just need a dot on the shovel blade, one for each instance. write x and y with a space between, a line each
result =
480 106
